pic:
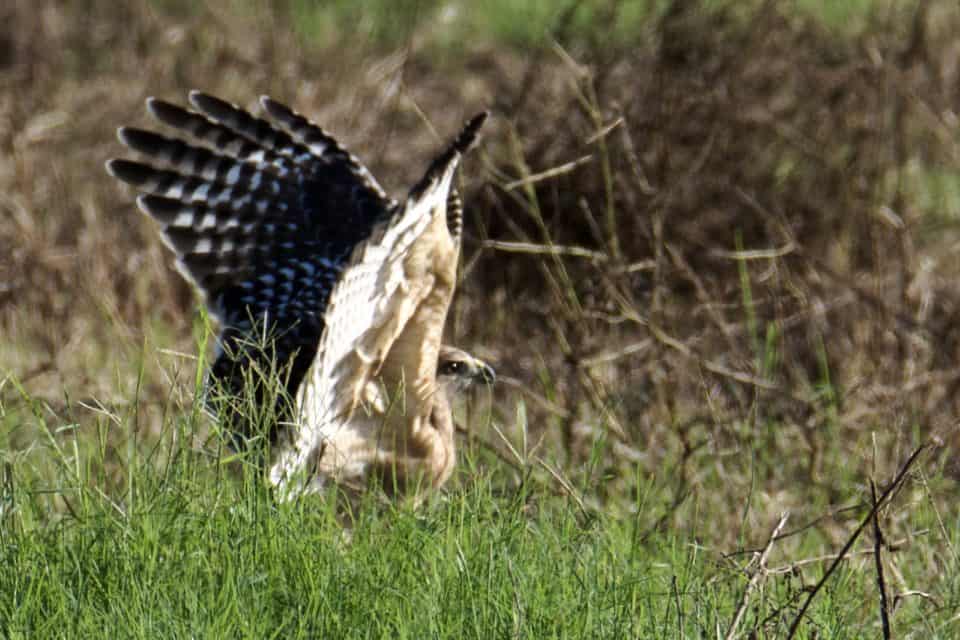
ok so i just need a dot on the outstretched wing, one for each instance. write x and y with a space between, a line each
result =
263 219
380 289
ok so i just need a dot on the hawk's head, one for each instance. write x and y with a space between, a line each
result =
458 369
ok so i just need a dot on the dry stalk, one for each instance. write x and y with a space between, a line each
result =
561 484
565 485
809 525
878 542
758 576
915 593
795 566
530 394
545 249
502 457
548 173
897 481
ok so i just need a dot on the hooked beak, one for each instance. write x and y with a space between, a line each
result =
485 373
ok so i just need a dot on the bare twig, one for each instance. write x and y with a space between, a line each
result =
940 524
758 575
793 567
921 594
755 254
878 560
549 173
565 485
853 538
875 302
544 249
713 367
561 483
633 267
677 604
703 295
604 131
809 525
540 400
609 356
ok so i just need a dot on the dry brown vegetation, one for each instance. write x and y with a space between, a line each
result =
722 258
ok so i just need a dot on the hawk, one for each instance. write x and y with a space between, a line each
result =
331 297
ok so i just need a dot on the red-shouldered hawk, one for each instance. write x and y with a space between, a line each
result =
315 274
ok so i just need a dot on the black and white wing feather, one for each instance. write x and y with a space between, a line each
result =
263 218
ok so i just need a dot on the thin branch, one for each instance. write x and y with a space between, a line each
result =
877 303
878 561
559 481
914 592
809 525
544 249
540 400
549 173
755 254
677 604
795 566
759 574
602 133
721 370
853 538
565 485
610 356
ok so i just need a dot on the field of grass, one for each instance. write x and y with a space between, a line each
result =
710 248
175 546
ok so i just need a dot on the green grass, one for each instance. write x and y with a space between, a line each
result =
454 25
104 532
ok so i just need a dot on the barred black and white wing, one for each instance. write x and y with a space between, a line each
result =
262 217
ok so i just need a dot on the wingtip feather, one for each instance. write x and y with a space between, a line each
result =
108 166
274 109
155 106
119 168
129 136
129 171
159 208
144 205
206 102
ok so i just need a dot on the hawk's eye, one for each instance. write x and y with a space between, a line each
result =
451 368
